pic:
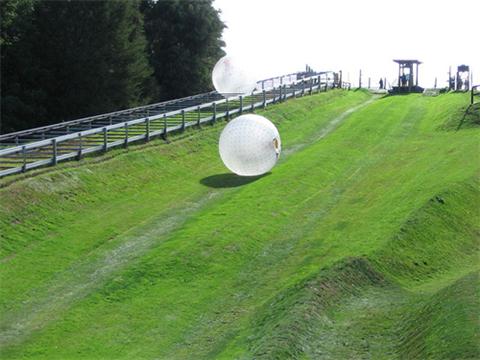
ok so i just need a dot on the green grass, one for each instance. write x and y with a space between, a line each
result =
361 243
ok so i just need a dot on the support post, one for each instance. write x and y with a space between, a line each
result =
303 87
319 80
311 86
105 139
227 113
369 83
165 128
416 75
252 103
126 135
360 79
264 99
24 155
199 116
147 129
241 104
183 120
214 118
80 145
54 151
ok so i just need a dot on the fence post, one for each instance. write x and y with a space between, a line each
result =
147 129
105 139
369 83
252 102
126 135
80 145
274 97
54 151
303 87
319 81
241 104
24 155
227 113
264 99
199 115
214 117
311 86
165 129
294 91
183 120
280 93
360 79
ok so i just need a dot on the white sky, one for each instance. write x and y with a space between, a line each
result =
281 36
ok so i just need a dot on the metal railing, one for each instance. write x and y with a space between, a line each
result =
48 145
474 92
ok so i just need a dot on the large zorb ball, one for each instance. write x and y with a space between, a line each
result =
230 77
250 145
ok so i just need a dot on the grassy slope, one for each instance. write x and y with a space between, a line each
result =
351 237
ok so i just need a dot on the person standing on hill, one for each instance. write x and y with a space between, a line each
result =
381 83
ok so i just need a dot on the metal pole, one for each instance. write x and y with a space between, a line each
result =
183 120
147 129
165 129
54 151
24 154
105 139
214 118
80 144
227 112
126 135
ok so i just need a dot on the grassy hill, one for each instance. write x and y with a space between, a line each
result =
361 243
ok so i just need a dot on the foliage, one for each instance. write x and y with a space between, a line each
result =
68 59
184 39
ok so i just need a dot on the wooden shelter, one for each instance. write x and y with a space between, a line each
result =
407 77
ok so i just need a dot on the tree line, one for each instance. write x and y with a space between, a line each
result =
62 60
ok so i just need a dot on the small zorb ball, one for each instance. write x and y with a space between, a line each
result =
230 77
250 145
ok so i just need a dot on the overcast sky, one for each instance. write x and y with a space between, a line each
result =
281 36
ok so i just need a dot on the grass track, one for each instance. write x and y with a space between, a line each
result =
157 253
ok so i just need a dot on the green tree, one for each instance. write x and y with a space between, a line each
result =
85 58
184 39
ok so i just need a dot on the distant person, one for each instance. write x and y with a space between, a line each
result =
381 83
404 80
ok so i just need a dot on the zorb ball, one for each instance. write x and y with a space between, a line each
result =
250 145
231 78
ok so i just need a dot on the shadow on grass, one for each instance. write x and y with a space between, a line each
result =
229 180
